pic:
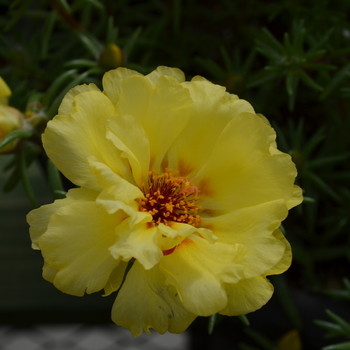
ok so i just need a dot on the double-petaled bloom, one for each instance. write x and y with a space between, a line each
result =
180 179
10 118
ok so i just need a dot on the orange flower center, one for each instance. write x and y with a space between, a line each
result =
170 198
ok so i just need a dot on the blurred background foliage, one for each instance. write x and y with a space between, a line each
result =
289 59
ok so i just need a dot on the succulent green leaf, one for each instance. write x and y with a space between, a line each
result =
315 140
312 55
262 78
89 44
268 52
307 80
212 67
244 320
315 179
321 162
341 346
345 326
227 60
291 83
47 31
55 181
65 5
337 294
259 338
211 323
95 3
112 32
272 41
317 45
299 37
286 300
56 85
25 178
330 327
129 46
336 81
14 135
81 63
288 45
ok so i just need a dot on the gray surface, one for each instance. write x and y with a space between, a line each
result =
79 337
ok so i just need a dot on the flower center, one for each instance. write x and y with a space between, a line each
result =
169 198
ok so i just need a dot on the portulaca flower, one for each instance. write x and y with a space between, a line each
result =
180 179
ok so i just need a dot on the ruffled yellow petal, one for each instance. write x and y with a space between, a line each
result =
68 102
211 110
111 82
247 295
117 194
112 206
130 138
176 229
197 269
284 263
38 219
253 227
49 273
115 278
162 111
139 242
297 197
76 244
241 171
173 235
70 140
145 302
114 186
162 70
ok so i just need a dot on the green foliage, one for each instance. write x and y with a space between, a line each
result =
289 59
335 329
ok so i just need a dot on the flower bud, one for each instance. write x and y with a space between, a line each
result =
10 118
5 92
111 57
235 84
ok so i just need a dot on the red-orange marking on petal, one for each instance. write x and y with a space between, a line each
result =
151 161
205 189
168 251
209 227
185 242
150 224
184 168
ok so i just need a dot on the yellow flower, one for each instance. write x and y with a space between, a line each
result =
181 178
10 118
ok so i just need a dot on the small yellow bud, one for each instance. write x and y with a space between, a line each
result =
111 57
5 92
290 341
10 118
